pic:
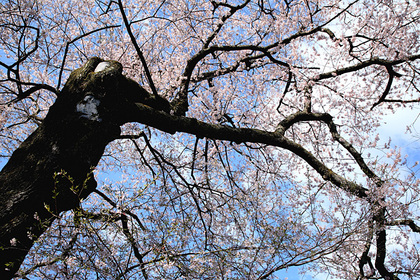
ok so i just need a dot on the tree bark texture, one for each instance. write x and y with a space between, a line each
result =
51 171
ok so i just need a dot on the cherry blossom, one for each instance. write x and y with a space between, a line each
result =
269 156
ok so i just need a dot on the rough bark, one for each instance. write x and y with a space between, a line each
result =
51 170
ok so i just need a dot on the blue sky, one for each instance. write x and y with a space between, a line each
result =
395 127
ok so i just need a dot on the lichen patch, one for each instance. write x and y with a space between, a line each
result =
88 108
102 66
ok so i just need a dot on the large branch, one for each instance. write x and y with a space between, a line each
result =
413 226
365 64
172 124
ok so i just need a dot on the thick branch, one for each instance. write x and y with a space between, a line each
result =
391 74
355 154
381 255
172 124
365 64
409 222
133 244
180 103
365 258
31 90
300 116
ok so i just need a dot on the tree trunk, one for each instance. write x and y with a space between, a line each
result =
51 171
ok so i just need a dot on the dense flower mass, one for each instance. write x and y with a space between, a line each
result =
280 164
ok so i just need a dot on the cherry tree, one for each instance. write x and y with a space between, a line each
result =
227 139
